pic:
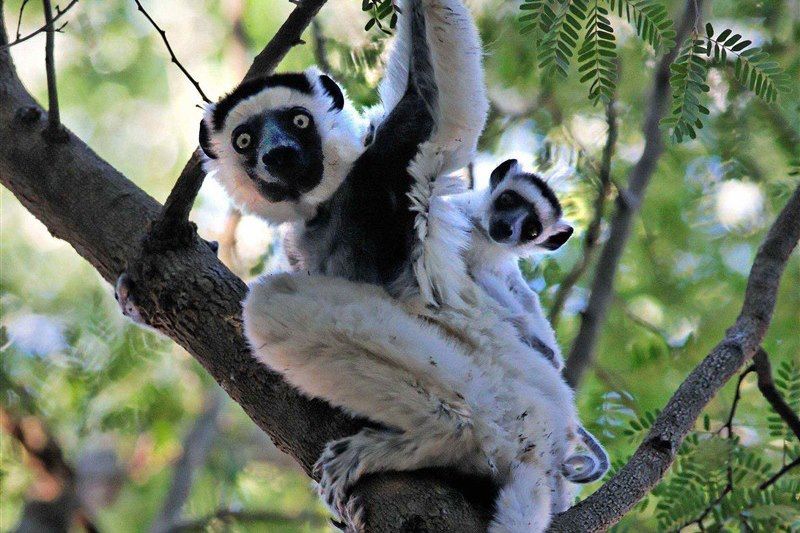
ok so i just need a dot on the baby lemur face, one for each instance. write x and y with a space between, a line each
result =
522 211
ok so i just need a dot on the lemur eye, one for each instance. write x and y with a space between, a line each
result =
301 120
506 199
531 228
242 139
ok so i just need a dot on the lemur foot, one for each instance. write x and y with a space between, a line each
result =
338 468
355 516
123 292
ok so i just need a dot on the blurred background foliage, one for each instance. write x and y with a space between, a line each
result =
122 401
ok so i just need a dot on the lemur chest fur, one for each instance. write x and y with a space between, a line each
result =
365 231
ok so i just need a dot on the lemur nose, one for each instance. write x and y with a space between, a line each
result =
500 230
281 157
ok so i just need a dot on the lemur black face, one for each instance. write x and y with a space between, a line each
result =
513 220
282 152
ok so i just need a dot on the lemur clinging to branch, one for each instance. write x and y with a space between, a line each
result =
290 147
519 215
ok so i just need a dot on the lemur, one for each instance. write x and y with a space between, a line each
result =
291 148
518 215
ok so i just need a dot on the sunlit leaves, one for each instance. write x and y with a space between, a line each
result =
650 19
596 58
753 68
688 81
559 43
378 11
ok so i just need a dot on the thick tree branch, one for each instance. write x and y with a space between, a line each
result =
656 453
629 201
195 300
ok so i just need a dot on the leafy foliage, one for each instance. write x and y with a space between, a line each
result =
598 54
558 45
753 68
787 381
650 19
688 82
378 10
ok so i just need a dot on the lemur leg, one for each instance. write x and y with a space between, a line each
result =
525 501
537 330
352 345
346 460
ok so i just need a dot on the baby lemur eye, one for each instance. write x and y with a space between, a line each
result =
531 228
241 139
301 120
506 199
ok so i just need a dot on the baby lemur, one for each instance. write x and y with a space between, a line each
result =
515 217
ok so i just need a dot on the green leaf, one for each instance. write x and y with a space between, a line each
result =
650 19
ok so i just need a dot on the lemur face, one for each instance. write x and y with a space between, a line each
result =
284 139
523 213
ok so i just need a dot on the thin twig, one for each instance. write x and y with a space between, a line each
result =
172 55
767 387
729 473
592 236
19 20
54 132
628 202
777 475
229 515
196 445
60 13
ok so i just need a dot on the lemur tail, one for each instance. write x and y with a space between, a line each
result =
583 467
524 504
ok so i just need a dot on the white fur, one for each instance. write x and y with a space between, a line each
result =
452 387
342 135
456 55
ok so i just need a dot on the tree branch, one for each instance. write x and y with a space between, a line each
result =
54 131
196 445
172 55
656 453
592 236
628 203
228 516
61 12
767 387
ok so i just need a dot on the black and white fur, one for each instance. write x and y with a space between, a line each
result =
517 216
341 180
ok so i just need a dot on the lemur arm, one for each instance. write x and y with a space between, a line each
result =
433 88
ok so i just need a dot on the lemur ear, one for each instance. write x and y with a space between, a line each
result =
500 172
205 140
333 90
561 234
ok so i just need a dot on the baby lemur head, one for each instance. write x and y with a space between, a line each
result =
522 214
